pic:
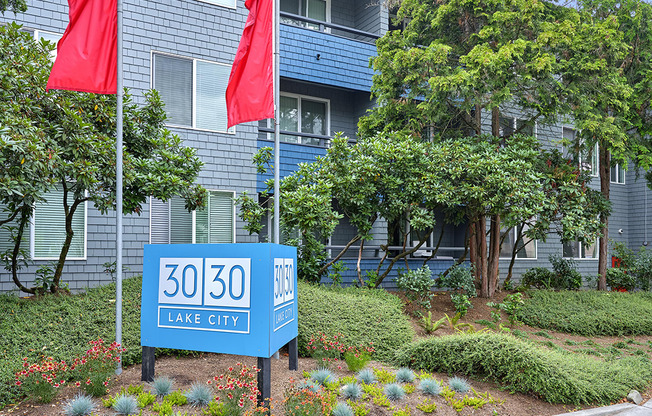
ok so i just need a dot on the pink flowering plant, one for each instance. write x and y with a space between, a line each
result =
237 389
94 369
331 349
41 381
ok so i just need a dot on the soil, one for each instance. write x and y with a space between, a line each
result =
187 370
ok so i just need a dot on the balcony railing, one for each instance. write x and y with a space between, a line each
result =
335 29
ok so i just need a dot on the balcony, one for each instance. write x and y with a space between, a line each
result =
326 53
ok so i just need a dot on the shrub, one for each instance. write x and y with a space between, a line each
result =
590 313
80 405
460 281
405 375
430 386
538 277
394 392
557 377
162 386
638 265
417 285
199 395
311 385
366 376
566 274
95 368
351 391
41 381
303 402
356 360
125 405
618 279
459 384
237 389
362 316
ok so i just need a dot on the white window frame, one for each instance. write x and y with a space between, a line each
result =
217 3
619 172
299 98
536 248
595 162
193 216
36 34
328 16
32 235
194 90
580 244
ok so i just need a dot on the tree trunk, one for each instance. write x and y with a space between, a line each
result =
69 212
478 245
493 258
605 178
339 255
25 212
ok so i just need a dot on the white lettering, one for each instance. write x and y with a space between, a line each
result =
197 321
179 318
235 320
170 317
211 319
189 318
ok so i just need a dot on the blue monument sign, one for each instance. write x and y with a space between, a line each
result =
225 298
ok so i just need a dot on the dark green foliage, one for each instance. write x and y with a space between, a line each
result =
360 315
61 326
417 285
589 313
563 275
619 279
460 280
554 376
637 264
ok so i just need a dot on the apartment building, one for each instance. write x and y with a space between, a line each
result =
184 49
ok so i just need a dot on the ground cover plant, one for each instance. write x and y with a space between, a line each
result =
361 316
589 313
554 376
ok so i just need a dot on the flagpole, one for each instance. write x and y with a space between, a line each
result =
118 185
277 145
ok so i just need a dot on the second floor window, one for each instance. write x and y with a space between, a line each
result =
617 174
193 91
312 9
303 115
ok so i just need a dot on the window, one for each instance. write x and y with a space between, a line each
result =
6 243
579 250
617 174
525 250
303 115
46 233
193 91
171 223
509 125
587 158
312 9
223 3
49 36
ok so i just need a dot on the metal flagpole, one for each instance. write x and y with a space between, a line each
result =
277 146
118 185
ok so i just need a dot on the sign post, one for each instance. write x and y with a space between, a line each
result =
225 298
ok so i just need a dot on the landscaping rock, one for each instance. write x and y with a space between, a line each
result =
634 397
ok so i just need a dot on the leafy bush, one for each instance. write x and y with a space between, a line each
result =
539 278
566 274
563 275
617 279
589 313
417 285
557 377
362 316
460 281
638 265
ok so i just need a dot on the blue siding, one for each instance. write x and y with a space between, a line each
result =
342 62
291 155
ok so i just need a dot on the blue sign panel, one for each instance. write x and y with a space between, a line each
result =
224 298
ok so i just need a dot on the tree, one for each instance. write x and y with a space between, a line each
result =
605 57
449 73
77 139
15 6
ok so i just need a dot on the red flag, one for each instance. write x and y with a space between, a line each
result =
87 52
250 93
